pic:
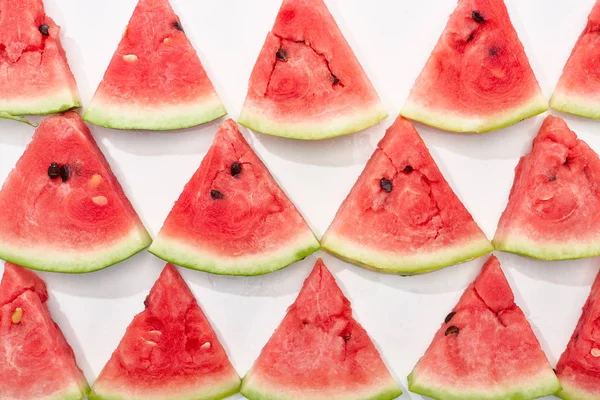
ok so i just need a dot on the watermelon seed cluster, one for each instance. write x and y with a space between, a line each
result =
54 171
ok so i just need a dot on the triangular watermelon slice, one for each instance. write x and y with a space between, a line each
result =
155 80
307 83
169 351
62 209
36 78
319 351
485 349
401 215
579 367
36 362
578 90
478 77
232 218
553 211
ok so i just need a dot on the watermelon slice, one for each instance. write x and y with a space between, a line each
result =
578 90
36 78
62 209
485 350
232 218
155 80
319 351
169 351
478 77
553 211
36 362
579 367
307 83
401 215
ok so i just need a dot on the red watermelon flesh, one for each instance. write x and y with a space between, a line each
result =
578 90
232 218
169 351
553 211
307 83
34 75
36 362
486 349
155 79
579 367
478 77
401 215
319 351
81 224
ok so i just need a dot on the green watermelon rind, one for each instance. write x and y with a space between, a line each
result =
177 252
546 384
354 121
159 117
443 119
576 105
420 263
50 103
55 260
547 251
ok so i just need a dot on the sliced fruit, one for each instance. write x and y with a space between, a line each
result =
155 80
307 83
169 351
478 77
232 218
485 349
319 351
62 209
401 215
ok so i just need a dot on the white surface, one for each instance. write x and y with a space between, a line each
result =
392 39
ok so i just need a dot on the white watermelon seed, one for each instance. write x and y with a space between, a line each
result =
130 58
100 200
595 352
17 315
167 40
205 345
95 180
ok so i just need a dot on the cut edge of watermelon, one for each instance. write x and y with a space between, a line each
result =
545 384
443 119
259 121
49 103
551 251
574 104
189 256
156 118
389 262
572 392
55 260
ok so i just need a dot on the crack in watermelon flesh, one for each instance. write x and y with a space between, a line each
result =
486 349
419 226
579 366
35 77
478 77
553 211
319 351
251 227
36 362
320 90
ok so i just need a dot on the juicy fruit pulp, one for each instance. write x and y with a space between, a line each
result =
579 367
478 77
169 351
307 82
81 220
36 78
401 215
36 362
232 218
319 351
486 349
553 211
155 79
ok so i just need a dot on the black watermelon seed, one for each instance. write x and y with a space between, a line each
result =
335 79
281 55
453 330
408 169
471 37
493 51
449 317
53 170
478 17
146 302
44 29
177 25
236 169
64 173
347 337
216 195
386 185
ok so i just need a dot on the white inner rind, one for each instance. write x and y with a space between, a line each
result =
548 250
570 391
575 104
45 103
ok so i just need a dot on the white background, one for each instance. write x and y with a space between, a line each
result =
392 39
